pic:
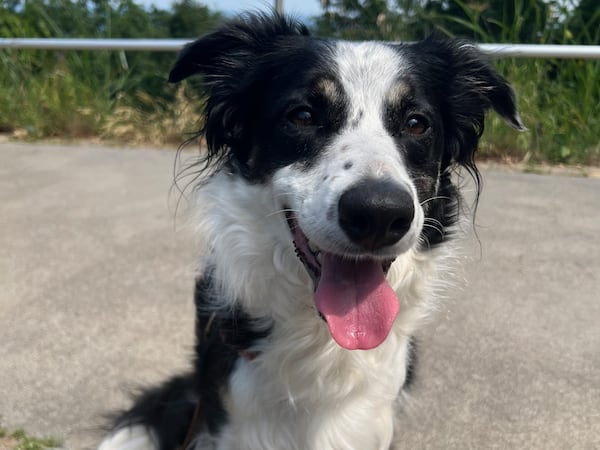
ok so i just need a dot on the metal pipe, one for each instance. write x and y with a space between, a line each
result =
151 45
173 45
541 51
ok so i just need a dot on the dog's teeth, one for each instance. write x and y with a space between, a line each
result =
318 256
313 248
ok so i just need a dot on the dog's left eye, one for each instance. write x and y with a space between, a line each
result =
416 124
301 117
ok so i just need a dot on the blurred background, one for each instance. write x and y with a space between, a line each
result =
123 97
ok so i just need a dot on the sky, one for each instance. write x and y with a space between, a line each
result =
299 8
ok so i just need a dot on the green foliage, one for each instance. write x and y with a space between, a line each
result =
73 94
355 19
24 442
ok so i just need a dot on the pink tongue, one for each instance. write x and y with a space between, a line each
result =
358 303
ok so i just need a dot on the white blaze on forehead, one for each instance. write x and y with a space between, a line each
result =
370 75
368 72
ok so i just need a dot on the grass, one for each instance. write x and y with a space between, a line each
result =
19 440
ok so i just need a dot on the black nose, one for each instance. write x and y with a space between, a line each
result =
376 213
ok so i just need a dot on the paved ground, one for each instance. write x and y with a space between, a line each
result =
95 297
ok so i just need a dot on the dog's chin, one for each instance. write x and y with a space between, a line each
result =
351 292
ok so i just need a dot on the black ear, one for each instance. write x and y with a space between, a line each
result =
475 87
468 86
223 51
474 79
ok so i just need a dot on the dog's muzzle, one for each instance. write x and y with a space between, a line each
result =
351 290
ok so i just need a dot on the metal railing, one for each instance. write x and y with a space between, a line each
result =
149 45
173 45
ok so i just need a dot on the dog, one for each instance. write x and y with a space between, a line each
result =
328 212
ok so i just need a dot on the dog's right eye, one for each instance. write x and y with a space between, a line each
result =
301 117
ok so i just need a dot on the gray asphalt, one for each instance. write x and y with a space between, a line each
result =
96 281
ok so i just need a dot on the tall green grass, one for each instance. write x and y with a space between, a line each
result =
40 102
120 96
82 95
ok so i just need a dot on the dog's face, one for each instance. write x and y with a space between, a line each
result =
357 141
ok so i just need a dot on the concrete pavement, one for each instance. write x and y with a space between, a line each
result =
95 298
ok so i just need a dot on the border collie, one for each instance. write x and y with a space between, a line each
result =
327 210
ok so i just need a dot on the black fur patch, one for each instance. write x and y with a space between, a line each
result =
411 363
167 410
221 337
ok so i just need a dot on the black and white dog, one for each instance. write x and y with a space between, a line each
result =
327 208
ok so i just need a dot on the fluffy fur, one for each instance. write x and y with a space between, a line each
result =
350 146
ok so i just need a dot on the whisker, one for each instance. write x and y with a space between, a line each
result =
439 230
280 211
434 221
437 197
425 240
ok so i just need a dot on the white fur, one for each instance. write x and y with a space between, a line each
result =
135 437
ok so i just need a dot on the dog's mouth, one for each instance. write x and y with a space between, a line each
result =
351 293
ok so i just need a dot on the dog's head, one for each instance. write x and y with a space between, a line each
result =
358 141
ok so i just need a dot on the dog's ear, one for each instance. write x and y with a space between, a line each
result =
477 84
233 45
231 62
468 85
475 88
